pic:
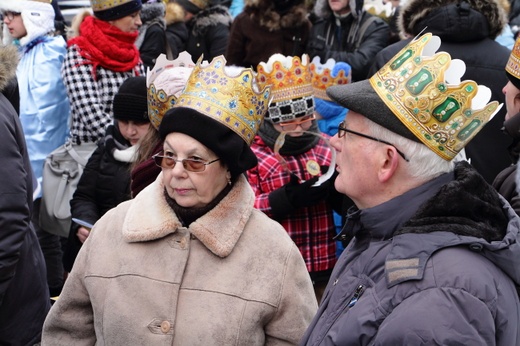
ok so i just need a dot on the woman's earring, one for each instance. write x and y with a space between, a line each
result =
229 181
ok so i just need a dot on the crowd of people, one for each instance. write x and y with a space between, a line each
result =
293 172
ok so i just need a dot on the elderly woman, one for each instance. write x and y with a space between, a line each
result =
190 261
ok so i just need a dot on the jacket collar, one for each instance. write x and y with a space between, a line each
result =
149 217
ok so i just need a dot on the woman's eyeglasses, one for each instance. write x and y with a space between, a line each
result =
9 15
342 130
305 123
191 165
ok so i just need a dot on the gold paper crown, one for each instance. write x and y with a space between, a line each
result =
230 100
289 77
160 100
322 76
513 64
426 95
100 5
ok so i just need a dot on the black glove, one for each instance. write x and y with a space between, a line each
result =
294 195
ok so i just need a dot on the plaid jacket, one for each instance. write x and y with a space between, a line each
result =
90 97
311 228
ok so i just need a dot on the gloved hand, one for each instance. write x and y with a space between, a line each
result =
294 195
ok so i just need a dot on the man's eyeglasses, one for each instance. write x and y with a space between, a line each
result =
9 15
342 130
305 123
191 165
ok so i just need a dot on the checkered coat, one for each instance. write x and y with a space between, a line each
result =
91 94
311 228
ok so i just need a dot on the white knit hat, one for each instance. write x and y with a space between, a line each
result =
37 16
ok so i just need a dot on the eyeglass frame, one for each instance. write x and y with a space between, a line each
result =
345 130
310 118
9 15
183 161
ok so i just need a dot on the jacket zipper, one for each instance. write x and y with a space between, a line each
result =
357 293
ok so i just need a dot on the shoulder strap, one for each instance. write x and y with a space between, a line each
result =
364 28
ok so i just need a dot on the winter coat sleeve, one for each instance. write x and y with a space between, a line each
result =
72 321
296 308
14 208
440 316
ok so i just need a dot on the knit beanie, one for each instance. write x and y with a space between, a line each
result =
193 6
108 10
130 102
37 16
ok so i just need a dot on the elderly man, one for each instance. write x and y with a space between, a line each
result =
434 256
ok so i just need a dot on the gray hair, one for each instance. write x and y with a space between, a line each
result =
423 163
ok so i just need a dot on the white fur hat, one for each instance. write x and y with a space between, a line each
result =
37 16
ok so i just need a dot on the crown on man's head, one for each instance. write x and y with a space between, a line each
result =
424 91
513 64
328 74
236 101
162 96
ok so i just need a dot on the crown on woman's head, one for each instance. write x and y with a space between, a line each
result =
513 64
328 74
163 95
235 101
424 91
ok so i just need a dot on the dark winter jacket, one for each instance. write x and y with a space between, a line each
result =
347 39
505 182
104 184
467 32
24 296
208 33
259 32
440 271
160 30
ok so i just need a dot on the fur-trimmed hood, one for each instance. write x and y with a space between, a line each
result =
451 19
208 17
263 12
322 8
174 13
38 19
9 58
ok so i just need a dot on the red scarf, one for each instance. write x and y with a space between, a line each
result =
103 44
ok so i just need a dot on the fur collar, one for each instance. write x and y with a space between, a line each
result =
149 217
8 61
415 11
466 206
265 14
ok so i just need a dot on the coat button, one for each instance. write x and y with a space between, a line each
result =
165 326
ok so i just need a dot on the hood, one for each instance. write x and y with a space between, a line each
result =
263 11
208 17
483 221
322 8
38 19
9 58
452 20
151 11
174 13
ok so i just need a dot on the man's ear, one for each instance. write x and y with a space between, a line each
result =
389 165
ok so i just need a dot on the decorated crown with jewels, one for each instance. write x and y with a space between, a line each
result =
423 89
233 100
164 83
328 74
513 64
290 81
